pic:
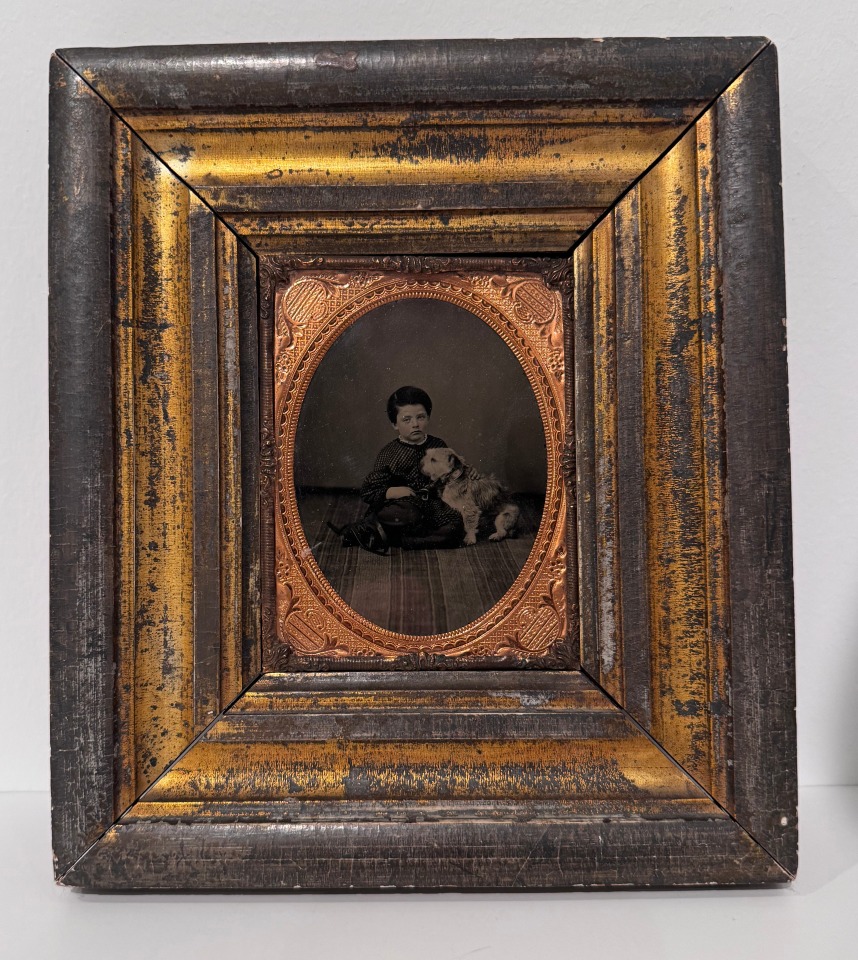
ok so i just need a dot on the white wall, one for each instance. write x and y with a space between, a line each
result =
819 78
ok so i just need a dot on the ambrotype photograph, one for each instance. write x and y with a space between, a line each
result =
420 466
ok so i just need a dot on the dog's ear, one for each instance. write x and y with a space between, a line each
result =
455 460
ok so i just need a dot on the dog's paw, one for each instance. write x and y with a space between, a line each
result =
469 540
497 536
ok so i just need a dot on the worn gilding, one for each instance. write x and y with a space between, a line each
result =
674 457
124 339
390 147
648 284
178 647
360 701
433 231
609 622
163 479
453 180
413 770
601 809
226 272
714 463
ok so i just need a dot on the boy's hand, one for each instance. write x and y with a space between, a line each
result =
394 493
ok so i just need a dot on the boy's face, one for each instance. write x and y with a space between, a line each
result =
412 422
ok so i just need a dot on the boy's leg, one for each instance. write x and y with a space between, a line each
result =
440 529
446 537
399 517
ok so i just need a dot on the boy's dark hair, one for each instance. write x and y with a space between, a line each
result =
405 396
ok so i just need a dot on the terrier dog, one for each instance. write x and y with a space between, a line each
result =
470 493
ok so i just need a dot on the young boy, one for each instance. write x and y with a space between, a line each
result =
403 510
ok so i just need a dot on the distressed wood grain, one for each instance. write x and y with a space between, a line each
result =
302 75
713 430
631 519
582 375
759 510
529 810
608 586
231 466
251 457
472 855
125 576
82 468
205 402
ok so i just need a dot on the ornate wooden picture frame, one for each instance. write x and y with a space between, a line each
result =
624 715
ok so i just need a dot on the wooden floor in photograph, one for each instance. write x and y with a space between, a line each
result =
415 592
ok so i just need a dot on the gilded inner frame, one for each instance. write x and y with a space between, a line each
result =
311 311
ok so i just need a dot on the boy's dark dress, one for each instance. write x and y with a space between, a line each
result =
398 465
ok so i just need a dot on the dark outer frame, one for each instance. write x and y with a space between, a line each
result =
753 839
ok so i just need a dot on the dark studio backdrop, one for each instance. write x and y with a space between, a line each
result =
483 405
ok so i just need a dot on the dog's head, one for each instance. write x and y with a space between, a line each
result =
440 462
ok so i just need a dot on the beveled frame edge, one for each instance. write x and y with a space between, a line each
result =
412 857
758 463
407 71
81 468
81 614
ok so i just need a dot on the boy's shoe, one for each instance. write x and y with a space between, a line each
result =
368 534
